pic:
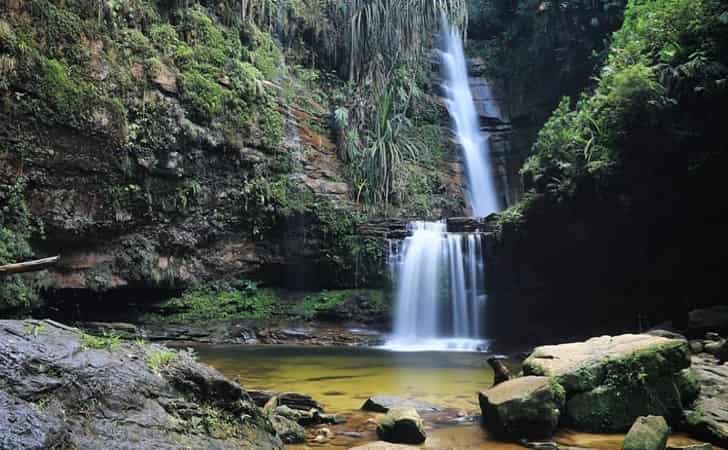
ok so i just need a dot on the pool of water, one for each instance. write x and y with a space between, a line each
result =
342 378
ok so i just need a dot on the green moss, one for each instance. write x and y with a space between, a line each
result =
270 123
265 55
18 293
66 93
245 301
205 96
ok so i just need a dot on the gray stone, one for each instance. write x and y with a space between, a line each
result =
111 398
289 431
709 319
527 407
647 433
402 425
708 417
610 381
690 447
696 346
383 403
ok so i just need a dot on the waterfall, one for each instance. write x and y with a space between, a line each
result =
466 125
440 295
440 289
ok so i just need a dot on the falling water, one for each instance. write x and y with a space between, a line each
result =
466 125
440 290
440 275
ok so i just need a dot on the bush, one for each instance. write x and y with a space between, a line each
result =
224 302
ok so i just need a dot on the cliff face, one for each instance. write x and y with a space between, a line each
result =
155 148
622 225
533 53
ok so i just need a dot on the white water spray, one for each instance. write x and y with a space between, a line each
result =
466 125
440 287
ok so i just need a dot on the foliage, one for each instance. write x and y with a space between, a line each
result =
107 341
322 301
242 300
588 142
159 358
18 293
385 33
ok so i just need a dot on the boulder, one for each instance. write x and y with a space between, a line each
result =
115 397
610 381
708 417
527 407
581 366
289 431
690 447
25 426
708 319
383 403
381 445
402 425
647 433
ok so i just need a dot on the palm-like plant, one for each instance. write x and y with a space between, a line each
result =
388 145
385 32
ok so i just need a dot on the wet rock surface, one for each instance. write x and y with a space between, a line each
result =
244 332
383 403
708 417
647 433
58 390
402 425
610 381
527 407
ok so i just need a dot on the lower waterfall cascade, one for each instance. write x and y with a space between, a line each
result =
440 293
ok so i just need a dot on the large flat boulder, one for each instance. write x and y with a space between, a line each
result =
647 433
87 393
580 366
612 380
527 407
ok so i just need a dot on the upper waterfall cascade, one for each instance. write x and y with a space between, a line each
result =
475 147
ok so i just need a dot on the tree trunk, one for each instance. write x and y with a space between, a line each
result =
28 266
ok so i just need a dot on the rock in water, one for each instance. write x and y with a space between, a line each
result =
383 403
527 407
289 431
647 433
691 447
402 425
381 445
610 381
56 392
500 371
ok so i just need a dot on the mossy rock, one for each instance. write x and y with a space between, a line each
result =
624 359
647 433
527 407
613 408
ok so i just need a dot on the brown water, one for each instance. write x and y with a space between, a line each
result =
342 378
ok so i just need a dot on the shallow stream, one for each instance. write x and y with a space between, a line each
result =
342 378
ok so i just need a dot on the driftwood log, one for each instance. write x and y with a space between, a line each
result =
500 371
28 266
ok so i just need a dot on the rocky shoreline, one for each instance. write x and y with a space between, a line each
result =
243 332
63 388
